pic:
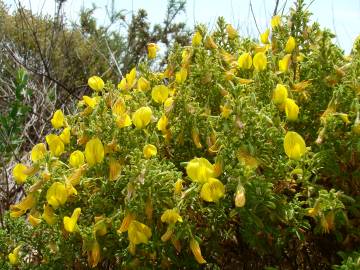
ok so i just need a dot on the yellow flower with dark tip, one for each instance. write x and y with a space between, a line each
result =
123 120
264 37
34 221
141 118
138 233
196 40
58 119
160 93
70 223
65 135
284 63
49 215
94 253
114 169
76 159
280 94
21 207
14 256
260 61
38 152
20 173
245 61
96 83
212 190
290 45
143 84
94 152
200 170
230 30
126 223
119 107
56 145
171 216
210 43
149 151
294 145
195 249
57 194
275 21
291 110
152 48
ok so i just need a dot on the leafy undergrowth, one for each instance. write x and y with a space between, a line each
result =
238 155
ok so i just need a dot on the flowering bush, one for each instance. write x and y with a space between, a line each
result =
234 144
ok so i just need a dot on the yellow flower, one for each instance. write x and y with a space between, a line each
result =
291 110
280 94
152 48
76 159
57 194
34 221
149 151
195 249
138 232
38 152
141 118
260 61
171 216
264 37
196 40
284 63
290 45
240 198
21 207
178 186
167 235
162 123
94 151
114 169
96 83
275 21
94 254
168 104
58 119
70 223
210 43
123 120
56 145
294 145
245 61
14 256
91 102
65 135
49 215
160 93
230 30
200 170
196 138
20 173
212 190
129 81
119 107
225 111
143 84
126 223
181 75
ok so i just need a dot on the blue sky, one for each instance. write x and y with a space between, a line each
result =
341 16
